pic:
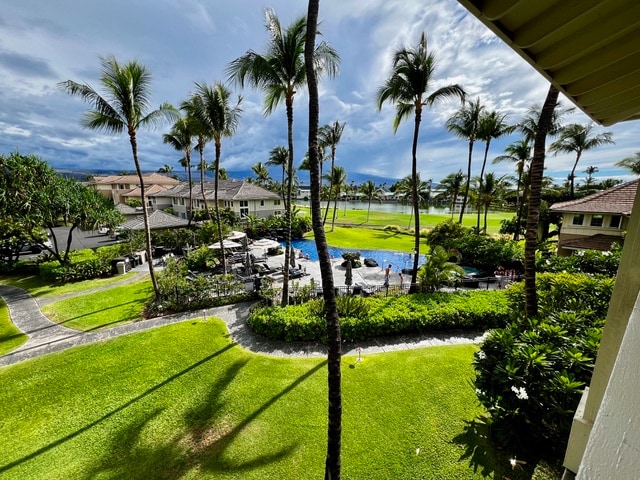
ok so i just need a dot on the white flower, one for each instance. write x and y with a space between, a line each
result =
481 355
521 393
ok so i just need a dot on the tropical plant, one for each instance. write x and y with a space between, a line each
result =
279 157
279 73
328 137
404 188
451 186
576 138
489 191
631 163
438 271
408 86
519 153
464 124
181 137
369 190
491 125
338 179
124 106
262 174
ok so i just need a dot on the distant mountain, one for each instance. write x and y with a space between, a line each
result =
303 176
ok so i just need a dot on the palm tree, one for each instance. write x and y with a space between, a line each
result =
576 138
589 180
262 174
369 190
411 78
545 123
279 157
519 153
405 188
166 169
329 136
219 118
631 163
338 179
334 351
192 107
491 125
279 73
490 190
452 184
124 106
464 124
181 138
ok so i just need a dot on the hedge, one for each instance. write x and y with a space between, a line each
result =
385 316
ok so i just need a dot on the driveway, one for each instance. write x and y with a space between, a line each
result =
81 239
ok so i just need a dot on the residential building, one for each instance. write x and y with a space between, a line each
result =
596 221
119 188
243 198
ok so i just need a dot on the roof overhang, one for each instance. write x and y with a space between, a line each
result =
589 49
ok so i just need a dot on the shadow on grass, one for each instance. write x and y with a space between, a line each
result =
128 318
66 438
202 446
485 457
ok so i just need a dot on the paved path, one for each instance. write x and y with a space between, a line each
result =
46 336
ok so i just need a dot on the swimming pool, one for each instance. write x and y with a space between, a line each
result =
398 260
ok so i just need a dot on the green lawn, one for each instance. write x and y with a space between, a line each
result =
377 219
38 287
344 237
183 402
10 337
102 309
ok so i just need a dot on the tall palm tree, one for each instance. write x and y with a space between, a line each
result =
124 105
590 170
464 124
519 153
329 136
166 169
545 123
262 174
491 125
279 157
338 179
406 189
576 138
219 117
369 190
408 86
334 350
181 138
192 108
279 73
631 163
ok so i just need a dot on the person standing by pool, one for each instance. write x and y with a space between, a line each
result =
401 281
387 275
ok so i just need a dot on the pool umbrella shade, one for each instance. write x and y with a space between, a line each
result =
348 276
226 243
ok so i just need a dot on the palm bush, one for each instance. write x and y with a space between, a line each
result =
530 375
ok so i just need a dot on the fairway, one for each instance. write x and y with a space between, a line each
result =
183 401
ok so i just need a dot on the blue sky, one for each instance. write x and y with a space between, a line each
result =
186 41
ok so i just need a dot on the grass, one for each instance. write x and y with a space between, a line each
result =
378 219
102 309
344 237
40 288
10 337
182 401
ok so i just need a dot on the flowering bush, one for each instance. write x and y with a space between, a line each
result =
583 261
530 375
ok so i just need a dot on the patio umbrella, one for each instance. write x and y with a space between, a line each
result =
348 276
226 243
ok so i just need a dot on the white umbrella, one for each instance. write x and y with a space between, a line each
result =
226 243
266 243
236 235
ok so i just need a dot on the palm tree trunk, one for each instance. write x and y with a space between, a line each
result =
202 173
573 171
335 207
484 163
466 188
416 201
145 215
287 203
217 209
334 352
368 209
535 181
190 215
330 190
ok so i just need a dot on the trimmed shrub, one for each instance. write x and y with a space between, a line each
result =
365 318
530 375
583 261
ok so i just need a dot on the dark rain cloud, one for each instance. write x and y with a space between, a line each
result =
25 65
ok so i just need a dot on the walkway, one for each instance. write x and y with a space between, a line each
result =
46 336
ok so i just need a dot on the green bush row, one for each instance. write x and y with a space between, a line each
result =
362 319
85 264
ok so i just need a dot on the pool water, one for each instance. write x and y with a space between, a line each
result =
398 260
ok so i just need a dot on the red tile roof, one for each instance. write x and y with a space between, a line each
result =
617 200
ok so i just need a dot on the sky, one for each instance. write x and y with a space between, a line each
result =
181 42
